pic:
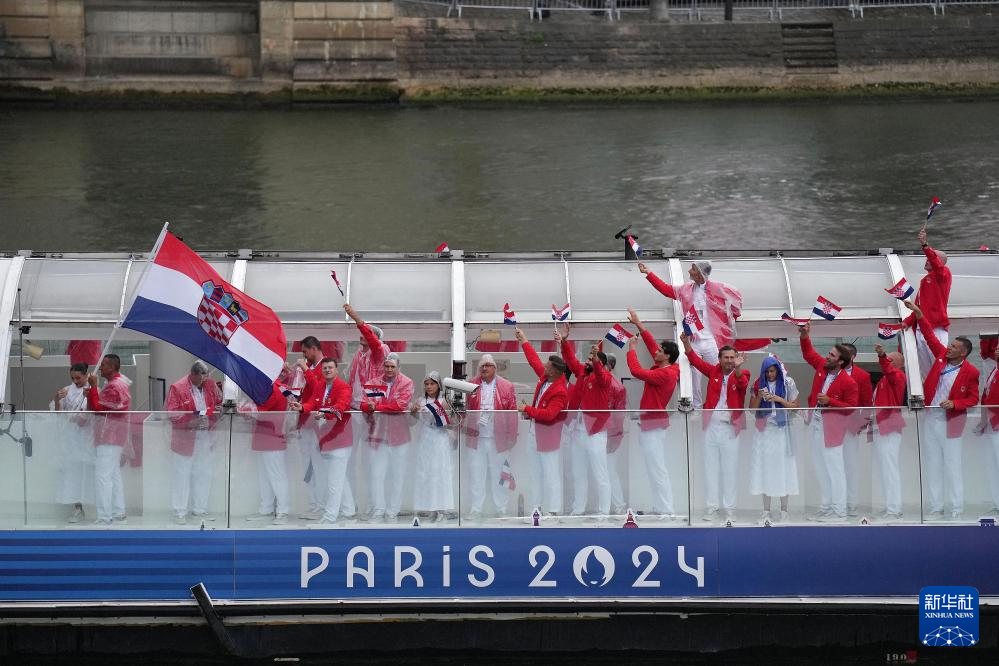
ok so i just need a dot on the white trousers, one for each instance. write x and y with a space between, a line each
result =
829 471
109 489
942 456
337 489
653 443
617 490
721 464
193 470
589 453
386 462
992 453
485 465
76 457
926 357
545 470
886 448
707 349
309 457
851 467
272 475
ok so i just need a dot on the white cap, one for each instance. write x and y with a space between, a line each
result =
487 359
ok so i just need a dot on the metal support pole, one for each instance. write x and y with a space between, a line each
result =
201 595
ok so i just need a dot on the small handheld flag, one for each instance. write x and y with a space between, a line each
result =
797 321
506 476
826 308
337 283
635 247
437 410
290 393
375 390
902 290
509 316
691 322
888 331
560 314
933 206
442 248
618 335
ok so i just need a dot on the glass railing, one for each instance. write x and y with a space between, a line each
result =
157 470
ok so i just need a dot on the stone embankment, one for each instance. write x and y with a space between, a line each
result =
283 50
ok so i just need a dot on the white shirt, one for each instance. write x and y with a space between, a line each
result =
718 416
701 306
817 414
199 398
946 383
487 398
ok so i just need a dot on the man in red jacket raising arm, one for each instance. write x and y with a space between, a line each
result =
952 384
932 298
721 428
831 388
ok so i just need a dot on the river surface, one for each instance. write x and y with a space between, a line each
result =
834 176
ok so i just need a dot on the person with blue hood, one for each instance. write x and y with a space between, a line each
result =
773 471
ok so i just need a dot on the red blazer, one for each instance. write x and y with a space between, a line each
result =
592 390
865 398
659 386
890 393
314 384
615 426
386 427
179 399
964 392
546 410
990 396
334 432
114 397
934 293
736 394
504 422
268 424
842 393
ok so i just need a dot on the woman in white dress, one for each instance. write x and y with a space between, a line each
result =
773 471
76 455
433 484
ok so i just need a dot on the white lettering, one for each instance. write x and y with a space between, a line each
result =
413 570
367 572
698 573
481 566
307 573
539 580
446 567
636 559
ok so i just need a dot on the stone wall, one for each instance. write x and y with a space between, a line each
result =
344 41
25 45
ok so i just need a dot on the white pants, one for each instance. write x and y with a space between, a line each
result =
851 467
545 470
485 467
386 462
272 475
721 463
109 489
653 443
617 491
926 357
193 470
337 489
309 457
76 457
886 447
942 455
992 453
829 471
707 349
589 452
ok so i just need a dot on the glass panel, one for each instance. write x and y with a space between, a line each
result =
59 289
530 288
148 470
855 284
975 288
402 292
760 281
602 291
298 291
13 430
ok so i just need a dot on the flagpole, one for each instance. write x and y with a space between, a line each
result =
135 290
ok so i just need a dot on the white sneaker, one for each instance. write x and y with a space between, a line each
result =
785 516
818 515
710 516
121 519
260 517
180 520
474 515
956 516
311 514
832 517
323 523
440 517
764 519
204 516
935 515
852 511
77 516
891 518
280 519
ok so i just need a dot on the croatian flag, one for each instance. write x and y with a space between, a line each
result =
888 331
902 290
933 206
375 390
797 321
560 314
442 248
635 247
691 322
437 410
337 283
509 316
506 476
618 336
289 392
826 308
182 300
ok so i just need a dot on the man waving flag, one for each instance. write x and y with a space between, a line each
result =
182 300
